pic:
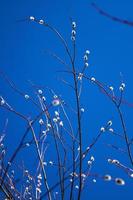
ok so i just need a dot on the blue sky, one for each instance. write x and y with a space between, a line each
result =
23 58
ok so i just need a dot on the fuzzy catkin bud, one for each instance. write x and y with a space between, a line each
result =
73 25
41 21
32 18
119 181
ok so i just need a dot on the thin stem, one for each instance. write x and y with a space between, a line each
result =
79 122
125 134
41 161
